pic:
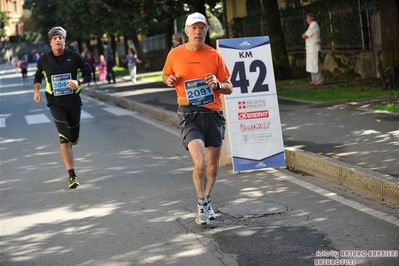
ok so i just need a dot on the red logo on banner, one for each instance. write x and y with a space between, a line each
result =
253 115
254 127
242 105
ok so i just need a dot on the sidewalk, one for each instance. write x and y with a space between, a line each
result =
344 143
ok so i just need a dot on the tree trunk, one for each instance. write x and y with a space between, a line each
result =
390 44
88 45
100 47
200 7
282 68
137 44
112 44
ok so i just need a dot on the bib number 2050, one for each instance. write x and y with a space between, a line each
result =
239 77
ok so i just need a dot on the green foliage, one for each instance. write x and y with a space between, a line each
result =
93 18
3 23
339 92
389 107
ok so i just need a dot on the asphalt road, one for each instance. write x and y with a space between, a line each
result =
136 202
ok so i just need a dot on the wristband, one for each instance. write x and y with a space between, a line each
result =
219 85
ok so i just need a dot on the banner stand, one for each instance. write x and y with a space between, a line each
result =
225 155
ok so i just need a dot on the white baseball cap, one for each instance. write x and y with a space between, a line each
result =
196 17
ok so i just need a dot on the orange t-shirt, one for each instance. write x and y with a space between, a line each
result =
192 66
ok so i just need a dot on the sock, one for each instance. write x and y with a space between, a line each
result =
201 200
71 172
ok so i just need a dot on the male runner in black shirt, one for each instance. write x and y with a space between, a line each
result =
64 71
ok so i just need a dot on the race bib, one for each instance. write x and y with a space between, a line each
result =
59 83
198 93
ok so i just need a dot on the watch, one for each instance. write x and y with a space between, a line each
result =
80 81
219 85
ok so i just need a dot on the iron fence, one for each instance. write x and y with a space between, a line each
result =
344 24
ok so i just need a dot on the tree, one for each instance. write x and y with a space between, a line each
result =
93 19
3 23
390 44
282 68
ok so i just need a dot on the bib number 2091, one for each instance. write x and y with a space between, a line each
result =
239 77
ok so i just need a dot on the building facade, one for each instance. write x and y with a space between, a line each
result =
14 12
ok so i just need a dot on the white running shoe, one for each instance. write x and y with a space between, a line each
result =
202 213
211 213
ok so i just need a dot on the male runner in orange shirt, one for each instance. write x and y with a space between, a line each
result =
200 76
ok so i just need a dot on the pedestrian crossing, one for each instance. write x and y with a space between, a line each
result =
43 118
37 119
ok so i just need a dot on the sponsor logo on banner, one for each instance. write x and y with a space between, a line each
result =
252 104
254 127
257 137
253 115
260 165
245 43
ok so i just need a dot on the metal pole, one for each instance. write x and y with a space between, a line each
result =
361 23
225 22
368 25
331 29
174 26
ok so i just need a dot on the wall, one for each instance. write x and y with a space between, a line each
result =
340 64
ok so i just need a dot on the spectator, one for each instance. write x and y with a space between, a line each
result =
36 57
176 40
23 65
131 59
102 69
109 58
313 50
92 63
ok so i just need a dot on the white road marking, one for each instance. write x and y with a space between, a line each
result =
37 119
353 204
2 122
85 115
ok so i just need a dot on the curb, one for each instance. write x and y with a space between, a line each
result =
373 184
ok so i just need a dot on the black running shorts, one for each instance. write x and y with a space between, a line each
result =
201 123
67 121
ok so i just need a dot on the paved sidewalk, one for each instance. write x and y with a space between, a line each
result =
344 143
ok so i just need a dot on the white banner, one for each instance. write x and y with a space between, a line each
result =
252 113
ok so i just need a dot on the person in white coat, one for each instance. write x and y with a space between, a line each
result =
313 50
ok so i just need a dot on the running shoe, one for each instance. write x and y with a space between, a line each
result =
73 182
211 213
202 213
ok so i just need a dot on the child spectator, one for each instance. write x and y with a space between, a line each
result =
102 69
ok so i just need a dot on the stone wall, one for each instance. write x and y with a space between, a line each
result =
340 64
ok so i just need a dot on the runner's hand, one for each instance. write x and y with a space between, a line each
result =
36 97
73 84
172 80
